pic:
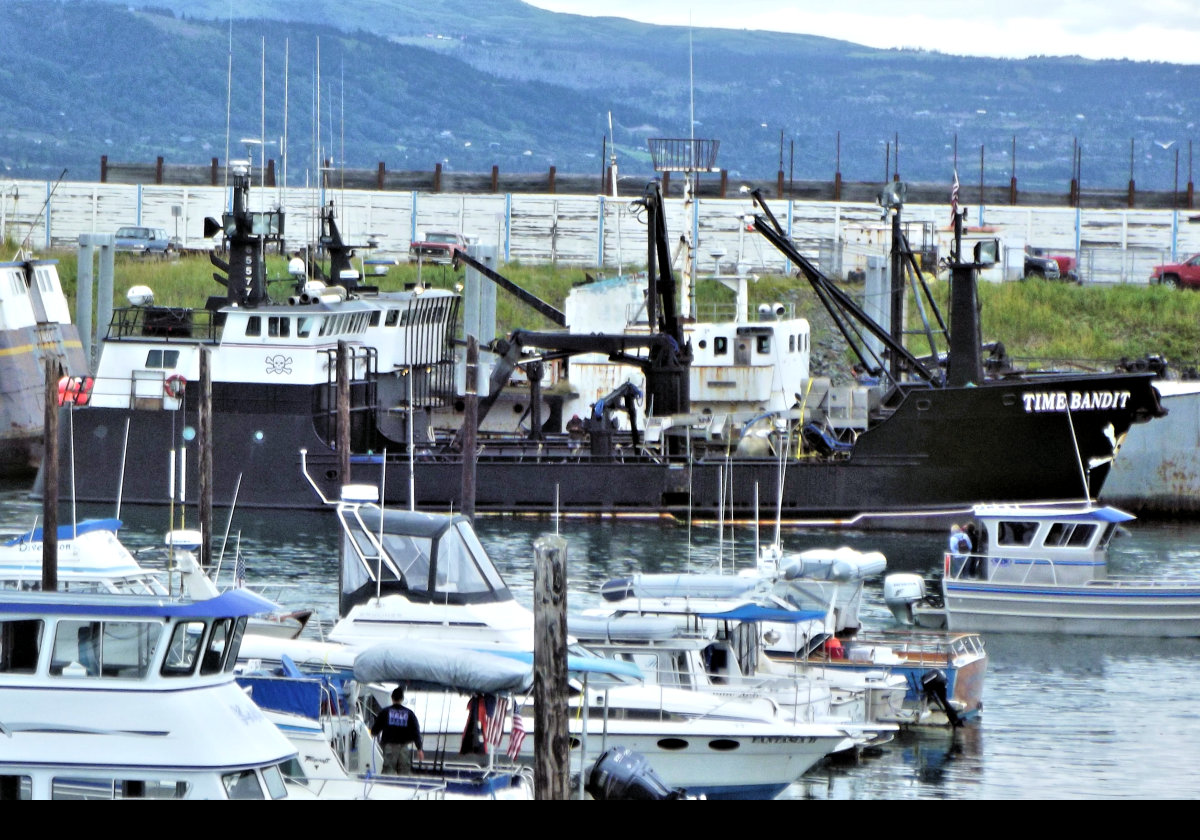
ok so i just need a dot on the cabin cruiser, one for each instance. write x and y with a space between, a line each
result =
132 697
1045 569
91 558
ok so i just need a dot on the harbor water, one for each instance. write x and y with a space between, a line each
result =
1064 717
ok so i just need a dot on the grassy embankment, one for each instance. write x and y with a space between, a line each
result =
1036 320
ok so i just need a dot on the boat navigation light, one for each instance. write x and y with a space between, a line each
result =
360 493
139 296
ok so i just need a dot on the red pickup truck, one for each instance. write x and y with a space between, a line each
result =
1065 262
1184 275
438 246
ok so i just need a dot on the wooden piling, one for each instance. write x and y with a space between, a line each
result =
552 744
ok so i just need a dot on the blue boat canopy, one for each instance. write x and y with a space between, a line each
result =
68 532
233 603
753 612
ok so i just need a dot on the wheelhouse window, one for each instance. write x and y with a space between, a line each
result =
121 649
20 645
304 326
183 651
393 318
279 327
223 645
162 359
253 326
764 344
375 318
720 346
1016 533
243 784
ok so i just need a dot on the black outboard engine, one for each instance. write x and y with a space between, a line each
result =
621 774
934 685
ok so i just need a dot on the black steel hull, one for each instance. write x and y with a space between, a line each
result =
940 450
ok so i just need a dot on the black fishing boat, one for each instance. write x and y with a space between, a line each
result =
942 432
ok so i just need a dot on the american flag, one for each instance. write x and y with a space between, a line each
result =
954 199
517 738
239 571
493 729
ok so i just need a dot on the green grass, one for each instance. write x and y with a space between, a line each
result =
1036 319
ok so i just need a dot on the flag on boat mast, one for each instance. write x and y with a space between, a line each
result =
517 738
954 199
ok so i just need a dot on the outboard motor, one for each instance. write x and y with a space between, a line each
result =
620 774
933 683
901 592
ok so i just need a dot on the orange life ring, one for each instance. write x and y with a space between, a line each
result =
174 386
74 390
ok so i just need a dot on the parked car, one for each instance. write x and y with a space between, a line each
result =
145 241
1066 262
438 246
1181 275
1040 266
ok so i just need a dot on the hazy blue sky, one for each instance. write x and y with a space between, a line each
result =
1149 30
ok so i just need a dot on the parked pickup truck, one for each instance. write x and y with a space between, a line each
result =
438 246
1184 275
1038 262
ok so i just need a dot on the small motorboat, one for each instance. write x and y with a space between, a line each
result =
1044 569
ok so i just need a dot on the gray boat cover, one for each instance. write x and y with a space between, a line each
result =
424 664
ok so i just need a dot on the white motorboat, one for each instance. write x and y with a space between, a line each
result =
131 697
1044 569
91 558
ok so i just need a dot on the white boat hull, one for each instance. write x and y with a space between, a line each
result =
1104 608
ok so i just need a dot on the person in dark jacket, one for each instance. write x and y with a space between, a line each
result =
398 732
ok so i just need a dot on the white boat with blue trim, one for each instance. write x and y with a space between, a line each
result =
1044 569
132 697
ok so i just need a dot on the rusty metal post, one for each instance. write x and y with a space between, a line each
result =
437 177
103 169
380 174
495 178
158 170
553 177
552 744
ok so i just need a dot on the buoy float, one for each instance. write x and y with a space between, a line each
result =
833 647
174 386
74 390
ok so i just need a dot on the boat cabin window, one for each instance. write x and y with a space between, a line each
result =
375 318
764 344
463 565
791 344
121 649
304 326
1070 534
162 359
85 788
279 327
242 785
273 778
184 649
20 645
411 558
223 645
393 318
15 788
720 345
1016 533
254 326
